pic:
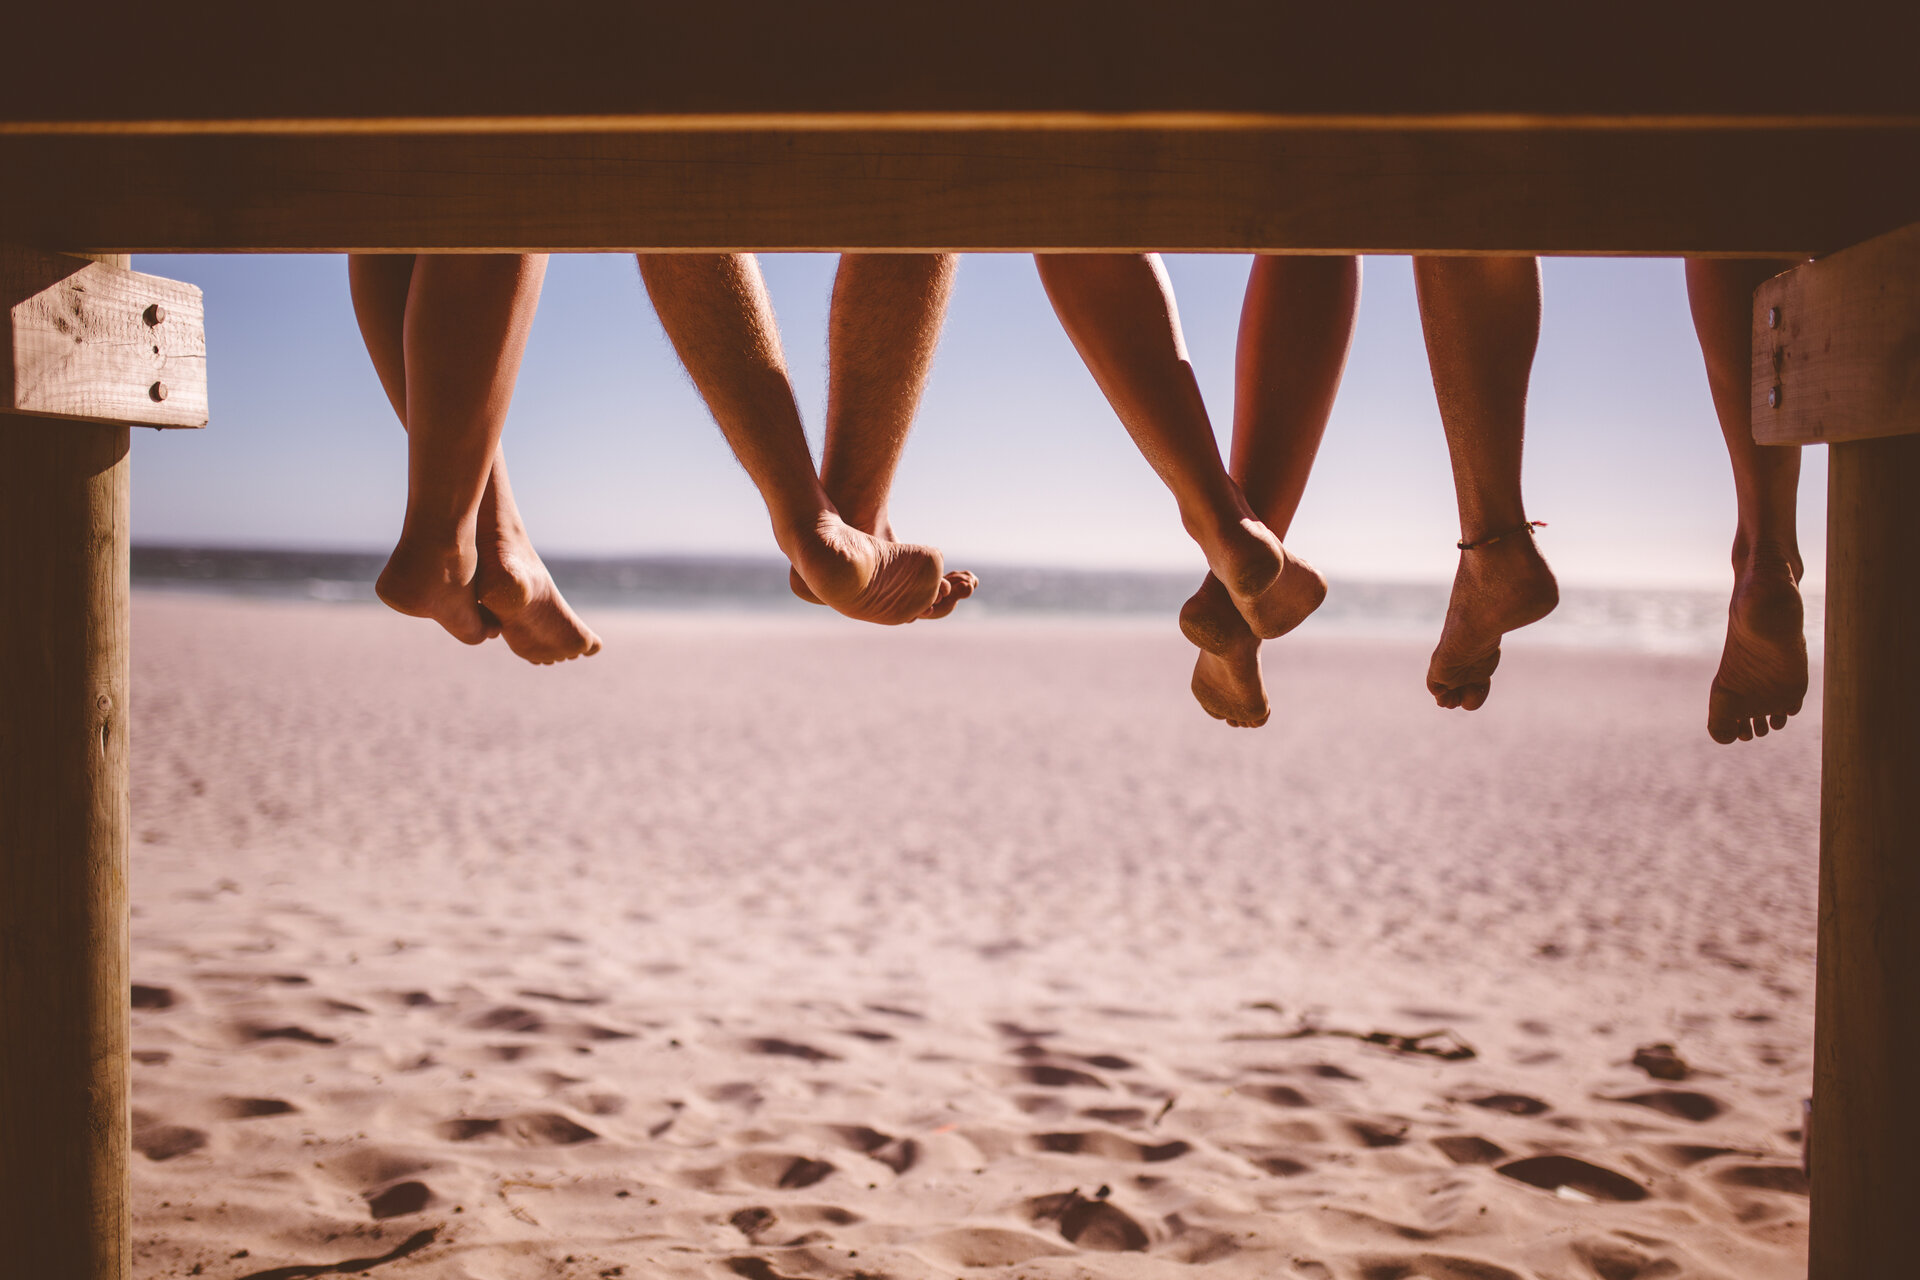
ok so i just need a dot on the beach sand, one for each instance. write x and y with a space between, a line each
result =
781 947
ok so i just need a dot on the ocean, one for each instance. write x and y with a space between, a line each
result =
1638 619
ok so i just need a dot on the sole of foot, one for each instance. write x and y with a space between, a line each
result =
868 578
513 586
1763 669
1497 588
954 587
436 584
1227 680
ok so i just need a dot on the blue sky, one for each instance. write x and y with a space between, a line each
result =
1016 459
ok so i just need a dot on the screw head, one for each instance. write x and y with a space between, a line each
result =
155 315
1773 398
158 391
1773 317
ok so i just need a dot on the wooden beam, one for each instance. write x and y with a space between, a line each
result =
1836 346
498 63
1866 1112
1776 192
98 343
64 983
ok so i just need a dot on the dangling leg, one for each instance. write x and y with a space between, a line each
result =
517 595
1482 322
881 335
715 310
1763 670
1295 329
1119 311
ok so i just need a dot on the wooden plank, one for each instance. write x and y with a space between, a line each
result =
1385 190
98 343
386 65
1866 1112
64 990
1836 346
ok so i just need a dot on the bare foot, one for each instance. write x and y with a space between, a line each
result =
436 583
1498 588
1245 559
514 588
868 578
1226 677
1763 670
954 587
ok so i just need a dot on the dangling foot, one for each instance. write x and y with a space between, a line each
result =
868 578
1501 586
1227 681
1247 560
1763 670
514 587
954 587
433 582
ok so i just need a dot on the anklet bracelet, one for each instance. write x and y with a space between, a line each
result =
1528 527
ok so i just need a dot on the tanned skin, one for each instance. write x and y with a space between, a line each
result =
446 333
1763 669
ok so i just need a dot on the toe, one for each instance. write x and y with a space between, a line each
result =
1779 721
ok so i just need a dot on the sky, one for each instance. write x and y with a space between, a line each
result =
1016 458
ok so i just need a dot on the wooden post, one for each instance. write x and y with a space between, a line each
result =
1866 1107
64 986
1833 363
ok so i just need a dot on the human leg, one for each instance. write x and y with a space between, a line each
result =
715 310
1296 326
1763 669
516 594
881 334
1482 322
1120 313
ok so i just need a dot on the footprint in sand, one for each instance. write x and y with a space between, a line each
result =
1279 1095
1513 1104
1378 1135
249 1108
146 997
399 1199
768 1170
1678 1103
778 1048
967 1247
1765 1177
898 1154
158 1141
1437 1266
1049 1076
1111 1146
1115 1115
529 1129
299 1035
1551 1173
1463 1148
1096 1224
510 1018
1282 1166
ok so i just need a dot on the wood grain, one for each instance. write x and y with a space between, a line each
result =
1866 1044
381 63
1647 191
98 343
64 982
1836 346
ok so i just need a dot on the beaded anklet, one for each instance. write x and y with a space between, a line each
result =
1528 528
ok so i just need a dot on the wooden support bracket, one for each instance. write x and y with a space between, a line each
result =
1836 346
90 342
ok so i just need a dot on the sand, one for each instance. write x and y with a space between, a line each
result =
775 947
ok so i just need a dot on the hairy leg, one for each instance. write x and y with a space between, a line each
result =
1482 323
1119 311
1763 670
517 595
881 335
1296 326
716 312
